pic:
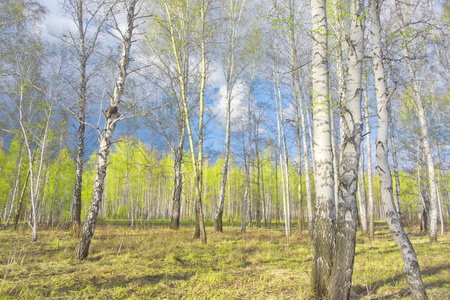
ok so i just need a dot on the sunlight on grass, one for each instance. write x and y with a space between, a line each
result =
156 262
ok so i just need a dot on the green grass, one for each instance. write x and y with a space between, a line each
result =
156 262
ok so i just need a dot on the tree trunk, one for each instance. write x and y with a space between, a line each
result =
111 118
22 196
323 234
346 221
424 136
342 91
370 206
362 197
247 182
410 261
12 196
178 184
396 175
223 182
308 183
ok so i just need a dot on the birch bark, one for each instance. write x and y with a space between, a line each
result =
346 221
323 234
309 209
423 132
111 119
410 261
234 11
370 205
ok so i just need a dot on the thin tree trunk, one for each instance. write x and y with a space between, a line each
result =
218 216
3 210
22 196
441 216
247 183
424 136
14 188
362 197
234 12
396 174
293 46
308 183
111 118
370 206
410 261
178 184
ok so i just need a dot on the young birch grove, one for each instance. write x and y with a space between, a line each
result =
234 115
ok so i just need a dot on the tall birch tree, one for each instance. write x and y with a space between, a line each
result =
419 101
197 159
350 111
323 235
88 26
234 12
112 117
410 261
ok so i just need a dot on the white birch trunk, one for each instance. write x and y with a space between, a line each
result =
350 112
111 118
309 209
323 234
370 205
410 261
35 177
342 88
230 78
424 135
12 196
362 196
396 175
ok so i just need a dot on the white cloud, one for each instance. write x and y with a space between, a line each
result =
239 96
55 24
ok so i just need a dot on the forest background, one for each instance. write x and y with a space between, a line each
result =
214 105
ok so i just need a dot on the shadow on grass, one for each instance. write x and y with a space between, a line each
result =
361 290
99 283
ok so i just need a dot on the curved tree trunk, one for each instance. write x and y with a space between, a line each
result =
111 118
424 135
410 261
344 254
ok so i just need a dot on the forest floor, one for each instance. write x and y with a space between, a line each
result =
155 262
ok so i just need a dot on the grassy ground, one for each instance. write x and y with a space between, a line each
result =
156 262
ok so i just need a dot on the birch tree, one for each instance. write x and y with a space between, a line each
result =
350 110
234 12
168 69
410 261
370 204
423 126
83 42
112 117
196 159
323 235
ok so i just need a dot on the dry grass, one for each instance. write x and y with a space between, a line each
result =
161 263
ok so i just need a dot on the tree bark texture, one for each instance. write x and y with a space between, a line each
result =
410 261
344 254
423 132
323 234
178 176
370 204
111 118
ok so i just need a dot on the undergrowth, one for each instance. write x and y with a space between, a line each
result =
156 262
